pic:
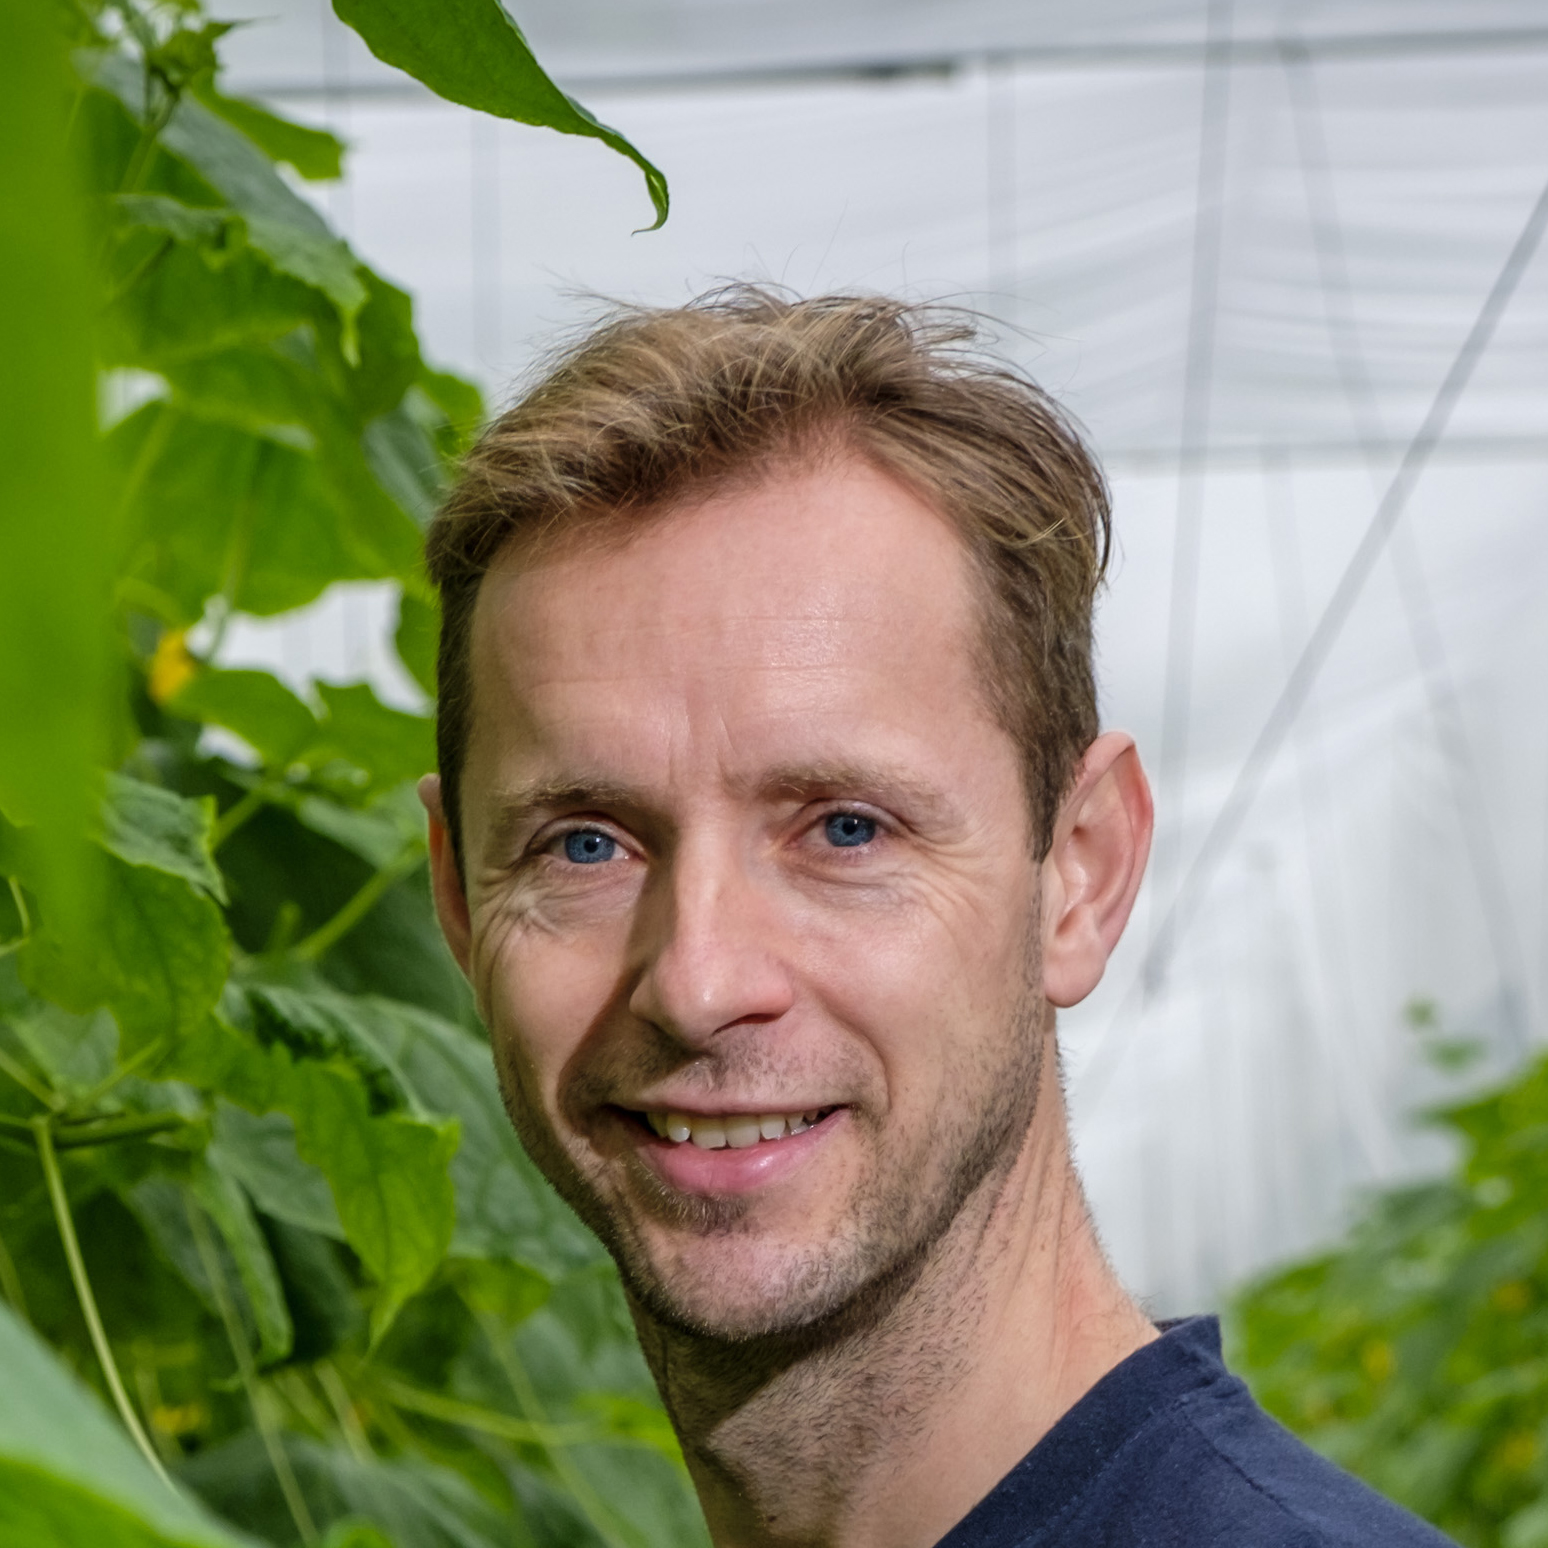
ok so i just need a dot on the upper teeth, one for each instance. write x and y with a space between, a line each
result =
736 1130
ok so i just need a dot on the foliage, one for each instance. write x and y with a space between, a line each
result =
257 1190
1416 1354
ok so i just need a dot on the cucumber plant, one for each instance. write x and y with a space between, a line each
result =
273 1266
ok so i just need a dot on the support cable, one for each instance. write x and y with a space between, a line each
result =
1463 773
1314 655
1198 381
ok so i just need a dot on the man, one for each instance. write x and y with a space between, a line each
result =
773 825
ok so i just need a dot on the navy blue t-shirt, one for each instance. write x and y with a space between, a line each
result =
1169 1450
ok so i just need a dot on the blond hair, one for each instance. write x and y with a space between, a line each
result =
656 405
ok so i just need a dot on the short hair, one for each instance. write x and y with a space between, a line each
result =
655 406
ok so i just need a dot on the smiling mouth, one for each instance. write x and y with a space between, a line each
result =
728 1131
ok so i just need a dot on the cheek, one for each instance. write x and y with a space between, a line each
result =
932 979
541 992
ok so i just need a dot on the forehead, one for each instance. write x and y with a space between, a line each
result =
765 624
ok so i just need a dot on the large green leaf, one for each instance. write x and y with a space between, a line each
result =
388 1172
471 52
194 298
60 542
415 1505
155 952
259 1150
146 825
505 1208
389 745
314 153
68 1474
280 224
219 511
257 706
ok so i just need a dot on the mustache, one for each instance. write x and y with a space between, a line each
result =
613 1069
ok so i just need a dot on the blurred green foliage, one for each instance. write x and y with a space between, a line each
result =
258 1194
1416 1353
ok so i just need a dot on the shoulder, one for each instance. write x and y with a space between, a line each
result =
1259 1472
1214 1468
1170 1450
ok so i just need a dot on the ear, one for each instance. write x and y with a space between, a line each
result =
1094 866
451 902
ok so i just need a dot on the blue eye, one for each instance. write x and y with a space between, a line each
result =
588 847
849 830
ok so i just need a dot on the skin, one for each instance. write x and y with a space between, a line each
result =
858 1330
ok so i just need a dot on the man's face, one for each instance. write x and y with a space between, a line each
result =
748 860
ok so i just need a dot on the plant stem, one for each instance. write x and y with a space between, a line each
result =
563 1463
19 898
237 1338
329 933
27 1080
42 1129
10 1283
149 1054
474 1416
343 1407
110 1130
238 812
104 1131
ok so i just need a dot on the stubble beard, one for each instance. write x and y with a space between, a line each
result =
896 1220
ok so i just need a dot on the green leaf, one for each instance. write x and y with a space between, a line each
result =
280 224
257 706
226 1204
77 1051
388 1174
146 825
277 544
259 1150
414 1504
317 155
251 1284
61 532
190 223
389 745
456 397
155 954
261 390
379 834
471 52
417 638
193 300
405 461
505 1208
324 1027
68 1473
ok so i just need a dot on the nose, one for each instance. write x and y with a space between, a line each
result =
712 960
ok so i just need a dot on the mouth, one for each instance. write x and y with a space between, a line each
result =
727 1153
728 1131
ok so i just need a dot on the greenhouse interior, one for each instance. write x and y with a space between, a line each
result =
274 1265
1247 259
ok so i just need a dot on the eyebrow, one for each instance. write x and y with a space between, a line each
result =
890 786
519 804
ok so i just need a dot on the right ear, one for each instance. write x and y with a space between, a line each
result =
451 902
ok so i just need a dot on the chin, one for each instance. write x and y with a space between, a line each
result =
732 1287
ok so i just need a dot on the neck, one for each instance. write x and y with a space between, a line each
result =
886 1436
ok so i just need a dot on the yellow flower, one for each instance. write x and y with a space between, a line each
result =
171 667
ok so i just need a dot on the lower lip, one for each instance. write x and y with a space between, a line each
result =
687 1168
